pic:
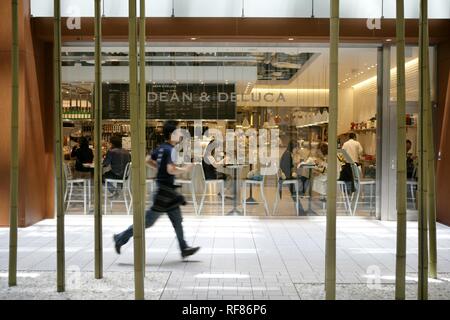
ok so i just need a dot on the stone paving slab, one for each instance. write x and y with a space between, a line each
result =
41 285
437 290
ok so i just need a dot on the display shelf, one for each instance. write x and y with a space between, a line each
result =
316 124
365 130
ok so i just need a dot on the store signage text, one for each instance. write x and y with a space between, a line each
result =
221 97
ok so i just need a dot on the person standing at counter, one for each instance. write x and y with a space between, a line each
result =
82 154
166 198
117 158
353 148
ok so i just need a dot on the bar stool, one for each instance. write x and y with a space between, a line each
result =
151 184
359 183
206 184
70 181
188 181
260 184
286 182
412 184
126 188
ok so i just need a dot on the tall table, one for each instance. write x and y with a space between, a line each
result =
250 200
308 167
235 167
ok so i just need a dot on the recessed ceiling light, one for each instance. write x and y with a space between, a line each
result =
193 39
388 40
291 39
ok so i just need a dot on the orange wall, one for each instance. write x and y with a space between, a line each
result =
36 154
443 121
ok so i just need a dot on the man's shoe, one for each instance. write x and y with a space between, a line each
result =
116 244
189 251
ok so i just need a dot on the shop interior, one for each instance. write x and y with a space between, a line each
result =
282 87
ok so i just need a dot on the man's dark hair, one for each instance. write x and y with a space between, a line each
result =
352 135
84 143
169 127
409 141
116 142
323 147
291 145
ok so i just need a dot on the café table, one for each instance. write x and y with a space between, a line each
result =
310 168
235 168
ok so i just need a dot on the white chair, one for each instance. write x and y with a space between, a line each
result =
151 184
359 184
188 181
342 185
206 184
126 189
260 184
412 184
286 182
341 189
70 181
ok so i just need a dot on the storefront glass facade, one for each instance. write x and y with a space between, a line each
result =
281 88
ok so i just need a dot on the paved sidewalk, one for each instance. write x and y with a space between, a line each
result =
241 257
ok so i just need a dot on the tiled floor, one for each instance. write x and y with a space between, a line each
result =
240 258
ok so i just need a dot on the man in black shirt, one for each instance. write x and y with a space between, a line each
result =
166 198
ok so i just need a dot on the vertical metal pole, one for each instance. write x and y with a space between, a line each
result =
98 243
431 165
379 131
400 272
424 96
14 176
135 156
330 247
60 247
142 118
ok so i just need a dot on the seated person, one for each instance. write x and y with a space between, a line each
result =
287 166
82 154
210 165
117 158
321 162
410 166
320 171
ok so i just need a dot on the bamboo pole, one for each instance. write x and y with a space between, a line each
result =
431 168
142 118
135 155
98 243
14 175
424 95
400 270
59 186
330 248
